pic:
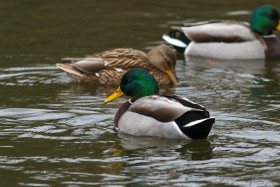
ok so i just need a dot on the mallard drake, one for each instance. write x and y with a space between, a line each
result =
149 113
230 39
108 67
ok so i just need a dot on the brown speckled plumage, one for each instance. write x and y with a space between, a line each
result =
108 67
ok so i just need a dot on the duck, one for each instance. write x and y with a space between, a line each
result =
151 114
229 39
108 67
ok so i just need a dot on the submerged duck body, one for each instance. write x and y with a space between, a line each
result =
228 39
108 67
151 114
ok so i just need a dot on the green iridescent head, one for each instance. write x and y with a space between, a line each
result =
136 83
265 20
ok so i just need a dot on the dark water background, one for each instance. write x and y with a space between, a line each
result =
57 133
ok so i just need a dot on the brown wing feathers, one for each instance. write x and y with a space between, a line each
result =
108 67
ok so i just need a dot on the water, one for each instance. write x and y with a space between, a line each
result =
57 133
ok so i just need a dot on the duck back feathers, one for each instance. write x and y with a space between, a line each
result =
218 31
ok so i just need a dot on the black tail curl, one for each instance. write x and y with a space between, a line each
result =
201 127
176 34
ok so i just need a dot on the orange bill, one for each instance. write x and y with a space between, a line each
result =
278 26
172 75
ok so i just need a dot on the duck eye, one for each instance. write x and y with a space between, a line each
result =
163 57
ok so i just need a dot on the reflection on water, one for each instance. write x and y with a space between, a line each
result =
192 150
54 132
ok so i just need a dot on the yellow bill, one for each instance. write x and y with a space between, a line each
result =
171 73
278 26
115 95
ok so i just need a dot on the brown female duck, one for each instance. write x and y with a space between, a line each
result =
108 67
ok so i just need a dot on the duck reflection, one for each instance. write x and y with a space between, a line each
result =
151 146
256 66
197 150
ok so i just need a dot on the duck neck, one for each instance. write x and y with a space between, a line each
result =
145 91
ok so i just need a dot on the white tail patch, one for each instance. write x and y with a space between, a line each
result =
174 42
195 122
